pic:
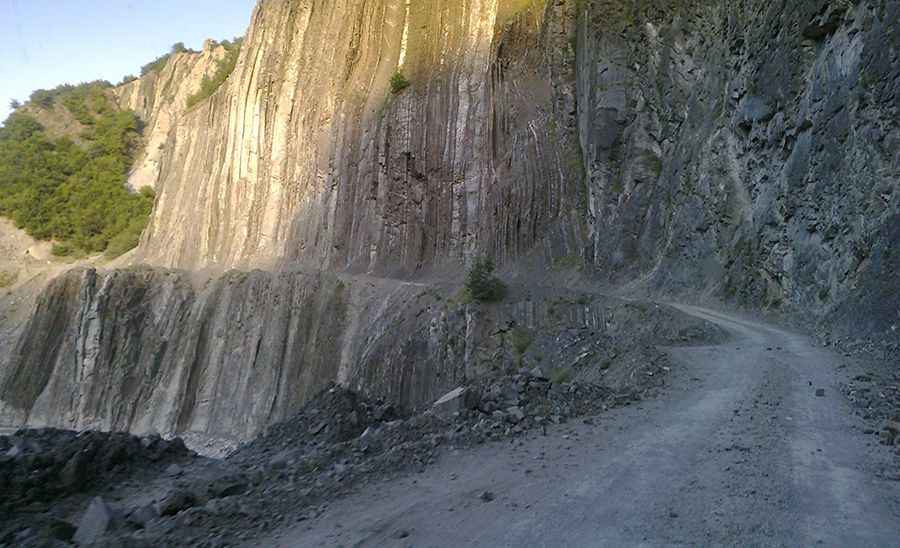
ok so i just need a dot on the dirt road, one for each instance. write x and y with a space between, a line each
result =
740 451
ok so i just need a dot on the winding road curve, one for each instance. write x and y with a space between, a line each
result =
740 451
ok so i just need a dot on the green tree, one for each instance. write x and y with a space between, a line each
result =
74 194
398 82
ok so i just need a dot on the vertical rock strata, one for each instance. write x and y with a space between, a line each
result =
160 100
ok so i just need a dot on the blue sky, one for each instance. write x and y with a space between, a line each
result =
44 43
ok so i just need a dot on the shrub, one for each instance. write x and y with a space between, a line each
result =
520 339
14 104
160 62
398 82
7 278
62 249
126 240
481 283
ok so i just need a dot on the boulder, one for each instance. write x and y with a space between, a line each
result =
59 529
142 516
514 414
176 501
453 402
95 522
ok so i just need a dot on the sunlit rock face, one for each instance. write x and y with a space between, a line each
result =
160 100
747 150
309 156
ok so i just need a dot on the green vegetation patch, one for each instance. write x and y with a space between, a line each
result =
160 62
224 69
398 82
7 278
520 339
481 283
57 190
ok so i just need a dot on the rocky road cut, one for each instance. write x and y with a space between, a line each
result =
753 445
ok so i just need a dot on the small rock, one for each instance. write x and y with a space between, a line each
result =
402 533
60 530
281 459
94 523
451 403
142 516
514 414
820 392
174 470
174 502
538 374
486 496
224 488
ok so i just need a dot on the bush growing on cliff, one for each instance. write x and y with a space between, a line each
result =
398 82
481 283
7 278
224 69
57 190
160 62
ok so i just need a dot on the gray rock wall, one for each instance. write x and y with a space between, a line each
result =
741 149
746 151
145 350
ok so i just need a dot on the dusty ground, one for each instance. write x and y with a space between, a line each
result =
741 451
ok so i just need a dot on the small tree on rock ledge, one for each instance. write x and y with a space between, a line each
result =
481 283
398 83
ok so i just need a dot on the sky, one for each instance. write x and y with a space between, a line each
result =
45 43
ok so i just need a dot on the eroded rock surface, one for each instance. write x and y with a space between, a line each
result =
145 350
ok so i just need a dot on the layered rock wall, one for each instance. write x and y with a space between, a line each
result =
745 150
145 350
160 101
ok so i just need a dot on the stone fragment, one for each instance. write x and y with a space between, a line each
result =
514 414
59 530
142 516
175 501
450 404
95 522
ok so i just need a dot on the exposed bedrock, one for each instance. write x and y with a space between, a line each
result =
143 350
747 151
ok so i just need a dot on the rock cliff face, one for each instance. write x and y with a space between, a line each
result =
749 148
145 350
160 100
746 151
